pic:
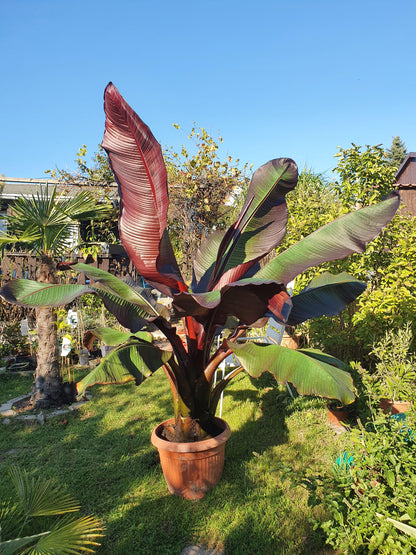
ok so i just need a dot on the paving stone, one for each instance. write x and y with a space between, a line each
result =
198 550
6 410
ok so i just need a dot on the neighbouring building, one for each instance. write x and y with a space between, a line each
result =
406 183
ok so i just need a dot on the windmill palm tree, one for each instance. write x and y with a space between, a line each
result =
45 223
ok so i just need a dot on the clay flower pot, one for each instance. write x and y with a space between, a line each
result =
337 415
394 407
191 469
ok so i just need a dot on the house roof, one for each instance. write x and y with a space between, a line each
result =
406 174
14 187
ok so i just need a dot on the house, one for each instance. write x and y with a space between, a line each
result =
406 183
21 264
11 188
15 187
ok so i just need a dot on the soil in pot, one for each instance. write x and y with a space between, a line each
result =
191 469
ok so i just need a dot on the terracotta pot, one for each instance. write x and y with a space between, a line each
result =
337 415
191 469
394 407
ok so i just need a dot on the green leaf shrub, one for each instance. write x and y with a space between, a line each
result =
206 192
372 482
366 176
395 374
11 340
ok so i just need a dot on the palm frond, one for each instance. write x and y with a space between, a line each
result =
39 497
46 221
84 206
74 537
10 547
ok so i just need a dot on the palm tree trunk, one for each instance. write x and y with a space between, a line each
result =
48 387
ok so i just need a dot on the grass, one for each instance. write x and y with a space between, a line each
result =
103 456
12 386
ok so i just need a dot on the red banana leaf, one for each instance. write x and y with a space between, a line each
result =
259 229
137 162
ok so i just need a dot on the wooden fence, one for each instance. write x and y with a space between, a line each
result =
23 265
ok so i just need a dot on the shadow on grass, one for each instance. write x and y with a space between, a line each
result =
103 455
150 520
265 428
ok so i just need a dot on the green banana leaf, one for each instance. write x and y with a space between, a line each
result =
135 361
133 295
110 336
26 292
129 305
261 224
309 375
346 235
323 357
326 294
205 259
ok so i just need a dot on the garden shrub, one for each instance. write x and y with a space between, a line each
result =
370 493
11 340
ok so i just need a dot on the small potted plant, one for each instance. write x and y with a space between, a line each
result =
228 285
394 380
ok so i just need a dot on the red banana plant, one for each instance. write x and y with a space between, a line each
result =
227 282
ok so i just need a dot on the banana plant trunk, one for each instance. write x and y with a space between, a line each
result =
48 387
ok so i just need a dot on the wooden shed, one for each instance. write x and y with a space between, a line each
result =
406 183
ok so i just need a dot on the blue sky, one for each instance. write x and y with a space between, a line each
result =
294 78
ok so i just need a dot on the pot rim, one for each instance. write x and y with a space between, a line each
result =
190 447
392 402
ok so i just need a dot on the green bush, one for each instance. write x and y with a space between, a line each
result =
11 340
395 376
370 493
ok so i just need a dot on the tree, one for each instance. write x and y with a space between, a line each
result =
365 176
45 223
396 153
97 175
199 184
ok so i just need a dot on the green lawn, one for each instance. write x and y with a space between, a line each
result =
103 456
